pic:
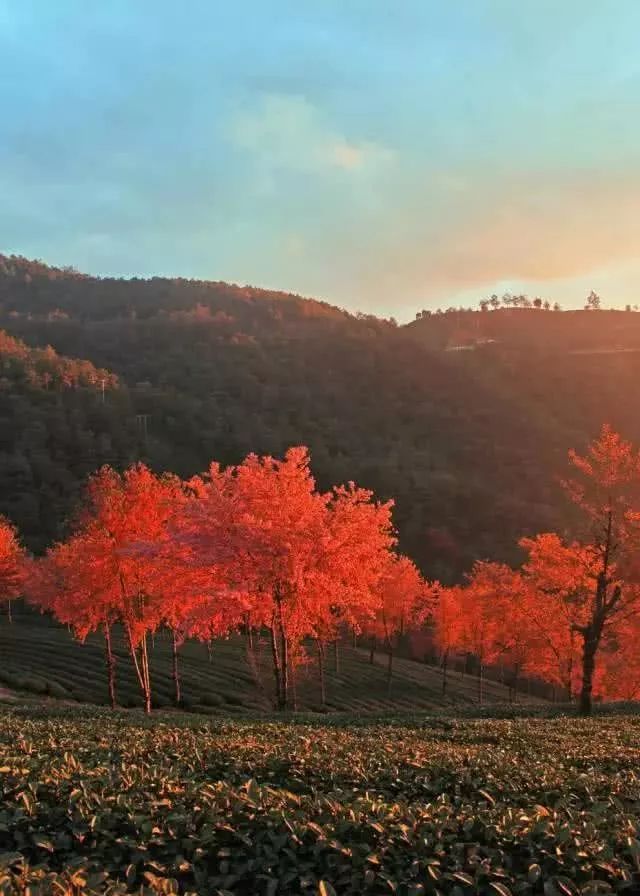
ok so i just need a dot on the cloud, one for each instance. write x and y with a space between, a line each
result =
346 155
546 228
294 245
288 133
532 226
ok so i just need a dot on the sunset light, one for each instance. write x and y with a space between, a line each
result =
319 448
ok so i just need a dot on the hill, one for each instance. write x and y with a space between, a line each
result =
40 657
60 419
468 441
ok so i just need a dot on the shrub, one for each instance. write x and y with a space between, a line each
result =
32 683
211 700
56 690
233 700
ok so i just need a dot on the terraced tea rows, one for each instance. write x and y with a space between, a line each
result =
39 656
99 803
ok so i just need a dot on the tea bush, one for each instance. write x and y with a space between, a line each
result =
94 802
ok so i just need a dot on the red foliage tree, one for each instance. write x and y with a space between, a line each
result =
291 559
559 576
446 618
618 675
483 627
572 599
106 572
72 583
13 561
606 488
401 599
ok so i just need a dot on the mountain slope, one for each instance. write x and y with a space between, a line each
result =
60 419
467 442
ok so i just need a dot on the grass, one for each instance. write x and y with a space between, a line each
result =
101 802
40 657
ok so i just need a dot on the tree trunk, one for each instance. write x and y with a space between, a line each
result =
146 675
283 651
389 666
276 661
355 639
570 669
210 651
249 631
294 685
111 666
134 657
323 691
175 670
480 683
284 669
372 650
588 668
513 683
252 662
9 617
445 663
336 657
141 666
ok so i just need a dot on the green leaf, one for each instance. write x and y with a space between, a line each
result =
43 842
501 889
325 889
463 878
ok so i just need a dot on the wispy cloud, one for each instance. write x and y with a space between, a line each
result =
458 231
289 133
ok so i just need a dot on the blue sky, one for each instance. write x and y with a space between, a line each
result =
386 156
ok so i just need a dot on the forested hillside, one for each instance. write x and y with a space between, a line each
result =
59 420
462 417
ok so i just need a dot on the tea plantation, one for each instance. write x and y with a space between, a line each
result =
94 802
40 657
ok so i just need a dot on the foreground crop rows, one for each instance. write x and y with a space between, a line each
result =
99 803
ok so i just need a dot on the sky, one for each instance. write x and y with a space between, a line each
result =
384 155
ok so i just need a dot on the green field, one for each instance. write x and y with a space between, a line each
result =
96 802
39 656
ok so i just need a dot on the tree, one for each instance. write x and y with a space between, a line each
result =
490 626
556 575
619 673
293 560
112 568
403 599
447 617
606 489
594 302
537 302
13 562
588 588
71 582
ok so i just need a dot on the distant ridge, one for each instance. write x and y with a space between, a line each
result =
468 443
